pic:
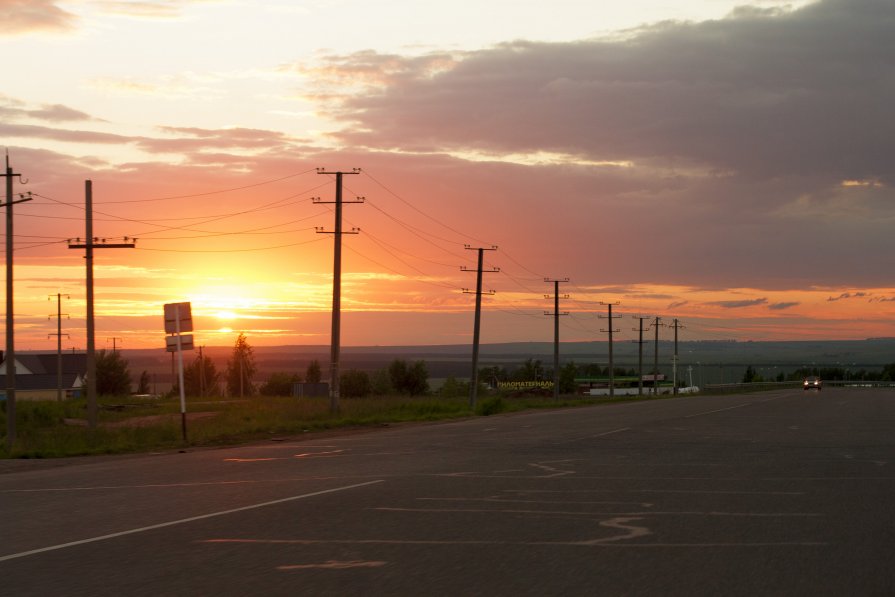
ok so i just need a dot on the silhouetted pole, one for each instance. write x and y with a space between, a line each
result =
10 314
474 378
59 335
677 326
90 243
656 361
640 357
335 347
556 315
611 364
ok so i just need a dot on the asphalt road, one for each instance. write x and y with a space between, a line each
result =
781 493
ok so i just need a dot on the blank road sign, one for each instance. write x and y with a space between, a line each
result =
186 343
172 310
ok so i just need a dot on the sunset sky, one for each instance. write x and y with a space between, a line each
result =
724 162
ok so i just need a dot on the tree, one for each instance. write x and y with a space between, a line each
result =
143 385
454 389
201 377
112 375
409 379
567 378
241 368
355 384
382 383
280 384
313 374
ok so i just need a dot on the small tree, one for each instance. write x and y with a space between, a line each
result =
409 379
280 384
313 374
143 385
355 384
112 375
453 388
241 368
201 377
567 378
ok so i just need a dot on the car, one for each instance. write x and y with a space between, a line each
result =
812 382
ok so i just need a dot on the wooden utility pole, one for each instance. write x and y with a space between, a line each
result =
335 347
90 243
656 359
474 378
640 356
556 313
676 326
10 313
611 363
59 335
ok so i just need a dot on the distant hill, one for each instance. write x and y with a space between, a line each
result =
712 361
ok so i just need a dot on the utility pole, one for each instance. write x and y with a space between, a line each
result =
90 243
474 378
114 343
676 326
556 313
337 285
611 364
640 355
59 335
656 359
10 316
201 373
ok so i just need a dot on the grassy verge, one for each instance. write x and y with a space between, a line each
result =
56 429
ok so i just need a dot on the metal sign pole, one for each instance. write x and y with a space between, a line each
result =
180 374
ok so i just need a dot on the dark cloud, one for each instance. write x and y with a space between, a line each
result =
846 296
55 134
26 16
739 304
13 109
678 304
782 306
760 94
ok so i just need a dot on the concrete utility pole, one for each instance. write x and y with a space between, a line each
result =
90 243
640 355
611 364
59 335
677 326
10 316
656 359
556 313
337 284
114 343
474 378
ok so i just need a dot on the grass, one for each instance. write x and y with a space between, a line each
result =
128 425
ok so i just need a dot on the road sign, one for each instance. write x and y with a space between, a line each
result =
172 312
186 343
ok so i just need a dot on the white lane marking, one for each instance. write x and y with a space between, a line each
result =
586 514
578 439
720 410
619 523
166 485
182 521
334 565
497 542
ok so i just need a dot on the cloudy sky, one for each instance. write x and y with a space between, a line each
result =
726 163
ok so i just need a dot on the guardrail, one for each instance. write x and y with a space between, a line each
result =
764 386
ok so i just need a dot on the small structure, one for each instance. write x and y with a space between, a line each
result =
36 375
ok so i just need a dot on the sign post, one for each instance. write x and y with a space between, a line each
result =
179 319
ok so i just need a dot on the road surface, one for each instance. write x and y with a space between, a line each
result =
778 493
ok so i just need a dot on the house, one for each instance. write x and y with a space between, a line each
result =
36 375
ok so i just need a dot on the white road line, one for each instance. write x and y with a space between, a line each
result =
720 410
182 521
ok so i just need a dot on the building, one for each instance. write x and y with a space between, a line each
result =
36 376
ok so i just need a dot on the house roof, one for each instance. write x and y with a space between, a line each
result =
43 381
44 364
